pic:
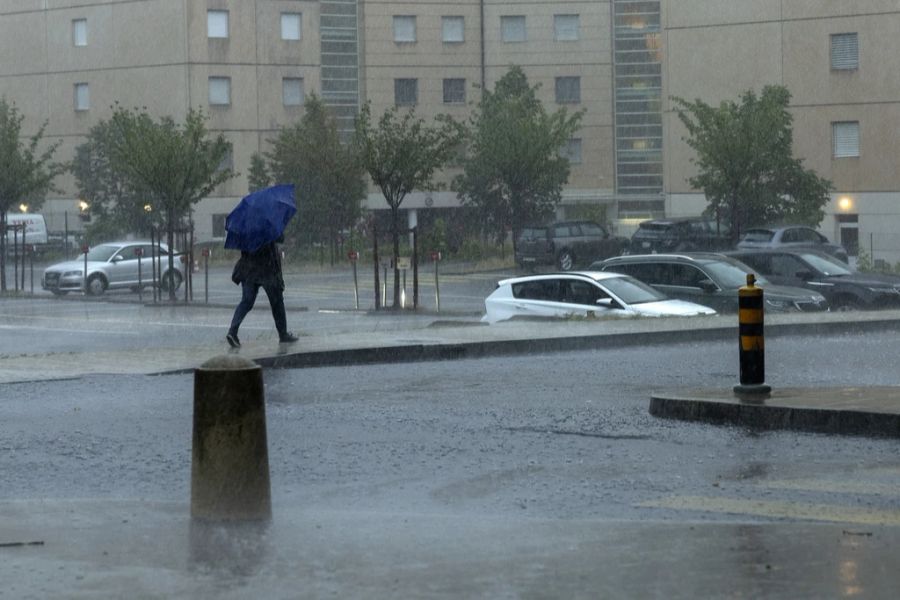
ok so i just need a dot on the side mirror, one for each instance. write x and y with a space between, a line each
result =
118 258
607 303
708 286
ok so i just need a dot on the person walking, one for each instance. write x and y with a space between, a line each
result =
253 270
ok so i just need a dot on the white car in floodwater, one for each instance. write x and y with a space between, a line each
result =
582 294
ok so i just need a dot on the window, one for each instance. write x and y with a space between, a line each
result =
845 139
217 23
512 28
79 32
291 26
218 225
572 151
454 91
453 30
292 91
568 90
404 29
82 96
406 92
565 28
219 91
844 51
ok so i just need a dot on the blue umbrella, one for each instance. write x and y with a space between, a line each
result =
260 218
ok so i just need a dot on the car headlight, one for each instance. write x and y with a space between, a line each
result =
778 304
72 274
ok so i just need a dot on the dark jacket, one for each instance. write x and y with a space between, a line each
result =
262 267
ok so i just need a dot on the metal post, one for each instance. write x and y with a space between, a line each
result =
437 287
751 342
153 262
206 275
415 267
16 257
355 286
84 249
31 262
384 287
375 261
66 234
24 252
140 254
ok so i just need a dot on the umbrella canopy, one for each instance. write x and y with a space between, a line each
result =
260 218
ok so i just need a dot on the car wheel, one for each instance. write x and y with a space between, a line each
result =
566 260
96 285
172 278
847 305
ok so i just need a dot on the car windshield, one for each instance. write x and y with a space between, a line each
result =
758 235
827 265
101 253
632 291
731 275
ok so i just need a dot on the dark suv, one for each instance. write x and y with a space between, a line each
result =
684 234
709 279
566 244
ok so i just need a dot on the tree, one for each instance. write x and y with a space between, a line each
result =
327 174
401 153
113 198
26 173
745 161
178 165
514 173
258 177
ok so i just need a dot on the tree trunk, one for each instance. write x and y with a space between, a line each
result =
2 251
395 236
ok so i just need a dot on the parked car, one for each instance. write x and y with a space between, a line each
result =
790 236
709 278
582 294
113 265
685 234
566 244
843 287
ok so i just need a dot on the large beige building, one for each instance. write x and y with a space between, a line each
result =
250 63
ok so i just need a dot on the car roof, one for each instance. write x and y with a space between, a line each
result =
673 220
699 257
593 275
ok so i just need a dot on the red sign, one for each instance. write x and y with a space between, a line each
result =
138 252
435 255
85 248
353 255
205 252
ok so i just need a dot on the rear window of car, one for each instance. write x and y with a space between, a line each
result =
531 233
758 235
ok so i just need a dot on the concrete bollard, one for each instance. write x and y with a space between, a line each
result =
230 463
751 311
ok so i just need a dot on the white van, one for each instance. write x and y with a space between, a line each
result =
35 228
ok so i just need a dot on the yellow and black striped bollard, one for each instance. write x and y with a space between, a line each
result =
752 341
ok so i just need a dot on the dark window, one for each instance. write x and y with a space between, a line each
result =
543 289
568 90
406 92
218 225
454 91
582 292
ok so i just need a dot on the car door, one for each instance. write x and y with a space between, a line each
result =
580 298
688 282
124 266
784 269
539 298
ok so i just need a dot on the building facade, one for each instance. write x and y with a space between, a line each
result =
250 63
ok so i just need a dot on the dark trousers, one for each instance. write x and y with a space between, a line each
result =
248 299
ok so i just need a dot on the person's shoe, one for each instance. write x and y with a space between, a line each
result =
233 340
288 338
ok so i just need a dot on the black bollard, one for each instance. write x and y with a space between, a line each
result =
751 342
230 466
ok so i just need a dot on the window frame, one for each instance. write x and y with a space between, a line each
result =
398 89
558 18
82 100
844 51
284 89
559 85
568 153
453 81
213 79
212 27
509 20
397 32
841 139
79 32
284 22
448 19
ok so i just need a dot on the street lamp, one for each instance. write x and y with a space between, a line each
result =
23 207
84 214
845 203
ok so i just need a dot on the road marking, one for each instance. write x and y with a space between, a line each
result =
779 509
66 330
832 486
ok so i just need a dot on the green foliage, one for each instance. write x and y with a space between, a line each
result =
115 202
864 260
746 167
176 165
587 212
258 177
327 175
514 173
26 172
401 153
